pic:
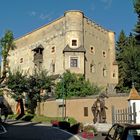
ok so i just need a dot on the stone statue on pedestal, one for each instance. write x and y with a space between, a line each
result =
99 109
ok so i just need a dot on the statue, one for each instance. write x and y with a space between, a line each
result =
99 109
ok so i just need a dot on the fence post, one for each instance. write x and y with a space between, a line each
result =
134 113
113 115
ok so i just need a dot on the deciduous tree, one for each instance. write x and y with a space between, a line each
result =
6 43
72 84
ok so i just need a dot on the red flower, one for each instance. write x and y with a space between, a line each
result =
55 123
87 135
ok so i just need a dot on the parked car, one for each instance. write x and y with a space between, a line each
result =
123 132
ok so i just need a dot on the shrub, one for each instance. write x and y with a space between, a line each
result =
74 129
64 125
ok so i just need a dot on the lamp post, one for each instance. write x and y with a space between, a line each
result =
63 101
63 98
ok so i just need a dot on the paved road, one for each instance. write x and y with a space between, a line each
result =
17 130
33 131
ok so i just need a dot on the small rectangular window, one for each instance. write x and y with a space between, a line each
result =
114 74
73 62
104 72
53 67
21 60
92 68
104 54
53 49
85 111
74 42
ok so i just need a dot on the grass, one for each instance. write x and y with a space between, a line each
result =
41 118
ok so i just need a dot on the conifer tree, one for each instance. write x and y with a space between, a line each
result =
120 49
137 26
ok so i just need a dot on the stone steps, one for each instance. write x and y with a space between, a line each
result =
102 127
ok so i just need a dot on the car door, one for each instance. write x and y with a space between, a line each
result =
112 133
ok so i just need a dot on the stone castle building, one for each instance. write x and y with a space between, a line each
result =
72 42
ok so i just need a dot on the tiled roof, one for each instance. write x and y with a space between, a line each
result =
133 94
79 49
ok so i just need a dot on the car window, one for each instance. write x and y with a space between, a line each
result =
112 131
133 134
119 132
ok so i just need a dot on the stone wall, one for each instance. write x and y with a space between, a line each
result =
75 108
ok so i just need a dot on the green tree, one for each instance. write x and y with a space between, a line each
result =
128 61
120 50
17 82
137 26
72 84
132 61
6 43
35 84
29 87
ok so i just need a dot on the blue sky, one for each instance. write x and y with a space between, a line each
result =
23 16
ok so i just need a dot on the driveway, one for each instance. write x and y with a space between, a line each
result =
17 130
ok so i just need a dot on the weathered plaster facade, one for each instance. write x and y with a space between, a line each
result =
72 42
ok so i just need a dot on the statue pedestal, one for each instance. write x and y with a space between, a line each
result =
102 127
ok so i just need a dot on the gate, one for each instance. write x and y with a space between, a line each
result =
127 115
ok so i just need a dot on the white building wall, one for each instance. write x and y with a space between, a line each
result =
137 102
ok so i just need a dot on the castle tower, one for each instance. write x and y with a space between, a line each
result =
74 50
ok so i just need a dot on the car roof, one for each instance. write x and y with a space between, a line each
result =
128 125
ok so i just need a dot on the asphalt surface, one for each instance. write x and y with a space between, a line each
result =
34 131
17 130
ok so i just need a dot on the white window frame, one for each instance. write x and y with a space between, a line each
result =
78 60
71 43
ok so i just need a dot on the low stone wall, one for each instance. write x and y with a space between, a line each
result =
75 108
78 108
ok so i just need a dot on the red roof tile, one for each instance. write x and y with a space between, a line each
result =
133 94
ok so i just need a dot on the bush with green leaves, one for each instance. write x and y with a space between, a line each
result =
75 85
28 87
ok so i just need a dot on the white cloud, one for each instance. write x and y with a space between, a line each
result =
45 16
42 16
33 13
107 3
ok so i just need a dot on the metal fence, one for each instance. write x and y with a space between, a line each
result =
127 115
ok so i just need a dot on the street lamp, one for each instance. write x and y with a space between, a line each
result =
63 101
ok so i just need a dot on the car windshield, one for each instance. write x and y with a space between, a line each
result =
133 134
